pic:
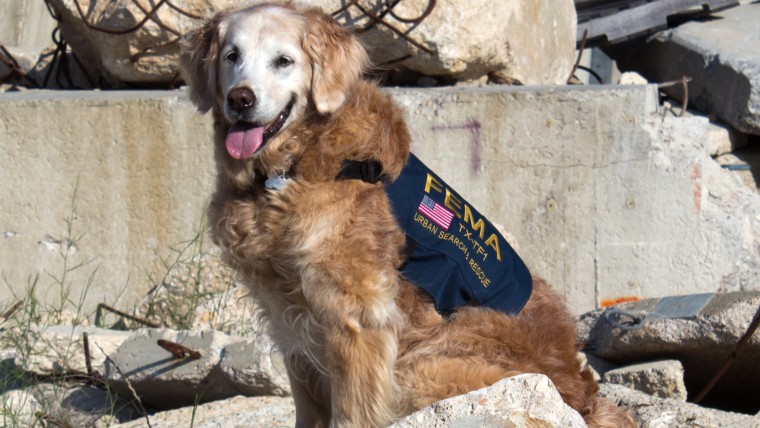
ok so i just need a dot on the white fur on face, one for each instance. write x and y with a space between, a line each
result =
263 52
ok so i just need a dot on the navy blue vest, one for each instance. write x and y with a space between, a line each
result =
453 252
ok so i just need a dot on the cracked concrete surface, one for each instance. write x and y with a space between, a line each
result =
606 196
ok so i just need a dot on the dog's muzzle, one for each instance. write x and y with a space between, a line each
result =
244 139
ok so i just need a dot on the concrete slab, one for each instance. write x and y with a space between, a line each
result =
227 366
110 179
721 54
605 196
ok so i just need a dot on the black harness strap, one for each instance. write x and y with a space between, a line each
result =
369 171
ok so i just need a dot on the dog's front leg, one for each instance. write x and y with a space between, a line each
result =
305 384
362 383
360 320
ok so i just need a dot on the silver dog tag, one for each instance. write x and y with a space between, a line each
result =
276 183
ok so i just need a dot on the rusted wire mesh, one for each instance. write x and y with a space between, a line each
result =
64 62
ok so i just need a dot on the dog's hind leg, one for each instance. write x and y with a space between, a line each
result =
602 413
545 312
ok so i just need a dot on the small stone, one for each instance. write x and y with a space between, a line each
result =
662 379
654 412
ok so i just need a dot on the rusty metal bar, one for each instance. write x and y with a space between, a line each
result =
123 314
178 350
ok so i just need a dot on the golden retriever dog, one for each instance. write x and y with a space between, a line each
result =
363 345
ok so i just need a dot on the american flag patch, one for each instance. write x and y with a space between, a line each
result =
434 211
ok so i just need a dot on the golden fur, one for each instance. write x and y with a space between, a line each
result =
363 346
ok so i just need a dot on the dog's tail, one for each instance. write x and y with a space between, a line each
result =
600 412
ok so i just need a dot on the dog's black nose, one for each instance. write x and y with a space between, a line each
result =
240 99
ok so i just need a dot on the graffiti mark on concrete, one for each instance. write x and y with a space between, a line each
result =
476 140
696 175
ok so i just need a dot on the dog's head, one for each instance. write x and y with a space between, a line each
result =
263 67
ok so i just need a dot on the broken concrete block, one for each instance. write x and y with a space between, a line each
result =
654 412
60 349
528 41
148 55
159 378
721 55
236 411
699 330
523 400
165 381
662 379
252 367
723 139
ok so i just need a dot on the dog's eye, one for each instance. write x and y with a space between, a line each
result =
282 61
232 56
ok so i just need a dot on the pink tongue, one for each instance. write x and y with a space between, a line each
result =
243 140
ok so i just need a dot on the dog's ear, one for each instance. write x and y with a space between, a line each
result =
337 60
198 62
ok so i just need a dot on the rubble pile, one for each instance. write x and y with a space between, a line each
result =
126 44
684 341
649 357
